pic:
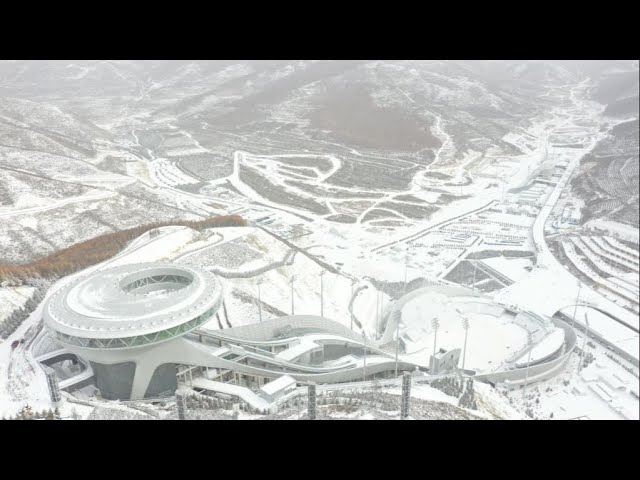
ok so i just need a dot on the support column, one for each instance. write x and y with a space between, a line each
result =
312 401
406 396
181 404
142 378
54 386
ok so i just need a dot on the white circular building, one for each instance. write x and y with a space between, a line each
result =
118 318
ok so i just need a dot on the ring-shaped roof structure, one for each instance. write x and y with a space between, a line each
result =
132 305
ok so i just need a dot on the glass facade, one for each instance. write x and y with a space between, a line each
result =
139 340
169 281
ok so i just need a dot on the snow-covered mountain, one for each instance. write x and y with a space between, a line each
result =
82 142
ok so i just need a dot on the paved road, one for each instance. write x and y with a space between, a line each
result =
443 223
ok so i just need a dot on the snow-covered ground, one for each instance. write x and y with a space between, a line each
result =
619 230
13 298
512 268
496 202
493 335
22 381
548 346
619 335
491 404
259 257
601 391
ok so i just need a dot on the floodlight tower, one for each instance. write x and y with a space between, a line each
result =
584 342
526 378
364 372
259 282
378 309
504 179
322 293
406 266
353 284
435 324
293 279
465 325
397 314
575 308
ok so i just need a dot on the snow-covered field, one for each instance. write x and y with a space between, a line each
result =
368 218
22 379
273 264
619 230
617 334
13 298
549 345
601 391
493 335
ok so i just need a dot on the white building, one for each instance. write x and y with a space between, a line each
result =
278 388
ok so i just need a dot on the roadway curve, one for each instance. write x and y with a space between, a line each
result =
549 276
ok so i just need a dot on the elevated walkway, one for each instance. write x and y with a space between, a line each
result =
77 381
243 393
55 356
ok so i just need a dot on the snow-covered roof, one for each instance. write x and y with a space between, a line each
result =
441 353
278 384
298 350
227 388
128 300
544 349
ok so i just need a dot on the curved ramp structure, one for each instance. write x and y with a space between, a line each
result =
135 324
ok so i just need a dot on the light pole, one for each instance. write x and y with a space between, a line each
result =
584 342
353 284
575 309
259 282
396 316
526 378
465 325
503 182
378 309
475 269
435 324
293 279
406 266
364 372
322 293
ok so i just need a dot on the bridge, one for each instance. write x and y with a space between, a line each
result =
606 341
550 286
56 356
